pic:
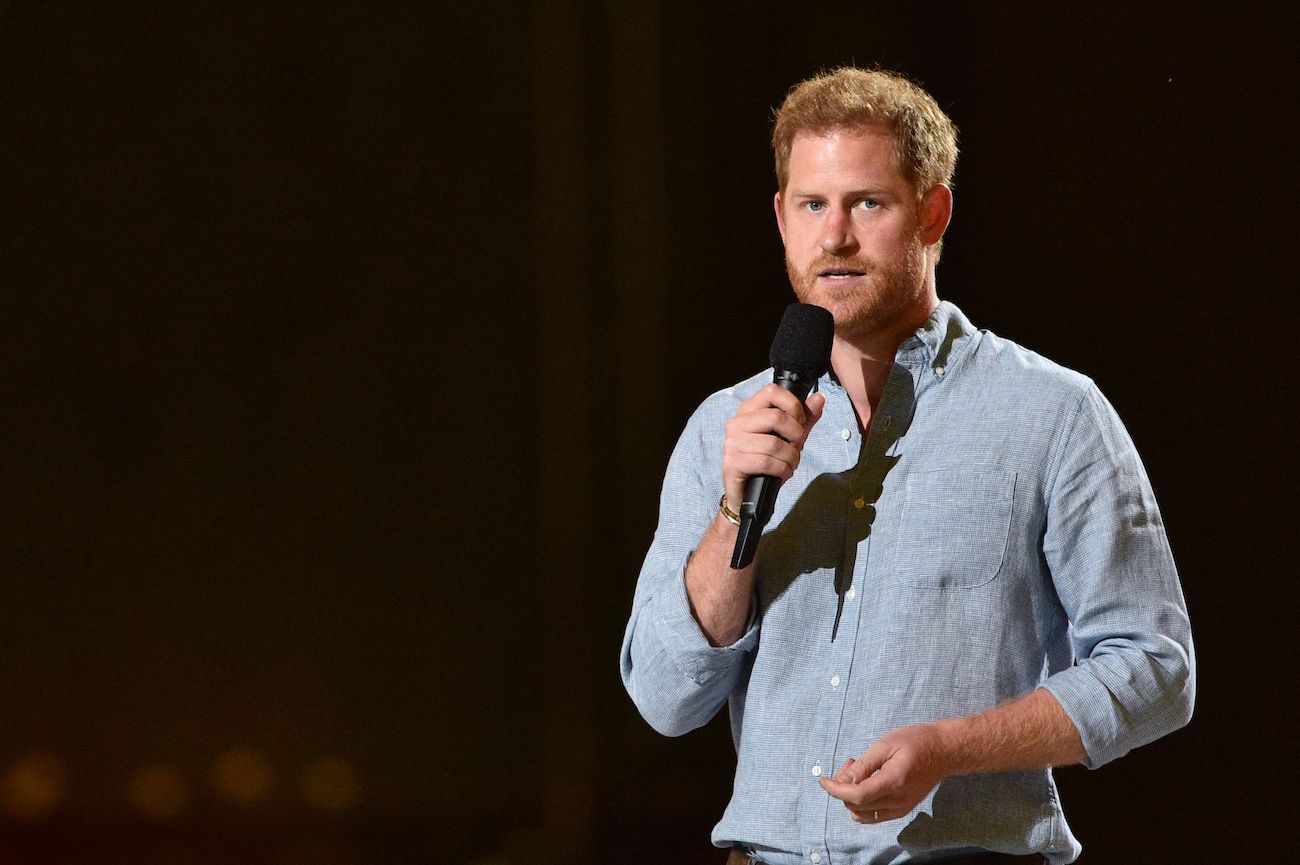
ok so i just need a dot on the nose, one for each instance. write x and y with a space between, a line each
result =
837 232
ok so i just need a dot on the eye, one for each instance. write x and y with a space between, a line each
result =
814 206
869 204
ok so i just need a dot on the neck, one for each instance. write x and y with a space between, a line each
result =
862 361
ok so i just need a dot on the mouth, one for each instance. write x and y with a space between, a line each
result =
840 273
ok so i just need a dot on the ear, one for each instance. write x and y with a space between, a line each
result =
936 213
780 215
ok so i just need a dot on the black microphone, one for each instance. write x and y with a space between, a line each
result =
801 353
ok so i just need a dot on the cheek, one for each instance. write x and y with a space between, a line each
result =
897 240
802 248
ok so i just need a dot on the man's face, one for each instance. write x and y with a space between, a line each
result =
853 231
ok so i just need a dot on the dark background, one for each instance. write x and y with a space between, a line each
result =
344 345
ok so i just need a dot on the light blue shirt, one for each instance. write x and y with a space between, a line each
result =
994 533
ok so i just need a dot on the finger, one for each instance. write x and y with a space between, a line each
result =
763 444
743 460
748 465
774 396
769 421
752 455
775 421
860 781
845 791
850 793
862 797
758 454
874 789
875 815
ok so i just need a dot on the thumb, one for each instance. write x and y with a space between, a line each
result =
815 404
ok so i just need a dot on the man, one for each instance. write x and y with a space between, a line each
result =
965 581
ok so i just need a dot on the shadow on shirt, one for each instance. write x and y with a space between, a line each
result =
985 811
827 524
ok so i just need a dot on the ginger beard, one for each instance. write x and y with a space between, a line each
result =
894 287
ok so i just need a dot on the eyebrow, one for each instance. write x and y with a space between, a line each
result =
868 192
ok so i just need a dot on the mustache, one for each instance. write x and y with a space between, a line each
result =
839 262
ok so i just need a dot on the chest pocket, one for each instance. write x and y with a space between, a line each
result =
954 528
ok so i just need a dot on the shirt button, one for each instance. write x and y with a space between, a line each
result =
860 503
815 857
817 770
835 681
846 433
938 370
851 594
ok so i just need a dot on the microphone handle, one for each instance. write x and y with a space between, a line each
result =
760 490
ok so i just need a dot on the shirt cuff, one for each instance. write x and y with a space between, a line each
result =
1094 712
685 643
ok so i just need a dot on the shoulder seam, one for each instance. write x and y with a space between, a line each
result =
1062 443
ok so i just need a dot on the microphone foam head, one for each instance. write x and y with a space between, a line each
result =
803 341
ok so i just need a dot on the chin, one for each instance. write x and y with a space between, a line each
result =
858 319
852 314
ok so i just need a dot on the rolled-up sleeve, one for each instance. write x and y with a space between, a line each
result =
1134 674
677 680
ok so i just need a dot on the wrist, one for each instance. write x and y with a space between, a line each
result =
951 736
727 512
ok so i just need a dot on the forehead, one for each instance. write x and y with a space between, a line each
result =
849 155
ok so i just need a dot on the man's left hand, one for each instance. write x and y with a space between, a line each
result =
893 776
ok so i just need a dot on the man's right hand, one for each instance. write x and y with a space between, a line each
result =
752 446
719 596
